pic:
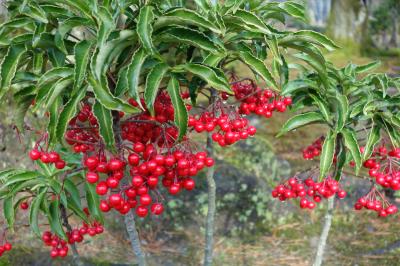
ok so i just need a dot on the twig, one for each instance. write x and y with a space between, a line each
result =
208 252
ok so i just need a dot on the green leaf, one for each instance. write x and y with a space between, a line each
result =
122 82
66 26
301 120
34 11
9 212
184 17
259 67
294 9
104 96
82 56
105 120
69 111
19 177
180 112
153 82
8 67
34 212
106 22
322 106
144 27
53 119
133 73
212 60
73 191
327 154
80 5
93 202
342 111
213 78
57 90
367 67
55 219
298 84
251 20
309 36
351 143
373 137
190 37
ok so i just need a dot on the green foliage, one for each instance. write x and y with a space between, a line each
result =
346 103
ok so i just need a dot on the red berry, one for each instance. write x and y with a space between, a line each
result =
35 154
92 177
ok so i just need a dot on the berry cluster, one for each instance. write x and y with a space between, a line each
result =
309 191
230 127
148 152
384 166
45 156
258 101
6 247
375 201
60 246
314 149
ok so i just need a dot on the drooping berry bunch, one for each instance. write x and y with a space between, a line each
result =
376 201
148 152
313 150
384 166
40 151
60 246
228 125
308 191
258 101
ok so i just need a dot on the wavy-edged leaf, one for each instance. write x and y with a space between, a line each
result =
184 17
55 219
153 82
122 82
8 67
65 27
298 84
327 154
106 23
20 177
56 91
367 67
309 36
69 111
82 56
144 27
34 11
79 5
259 67
9 172
104 96
93 202
213 59
350 140
212 77
322 106
342 111
190 37
180 112
34 211
105 120
301 120
133 73
251 20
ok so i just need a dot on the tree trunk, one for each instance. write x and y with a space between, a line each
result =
325 233
348 22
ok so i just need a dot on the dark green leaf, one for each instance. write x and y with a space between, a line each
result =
351 143
213 78
105 120
180 112
145 28
34 212
8 67
153 81
301 120
327 154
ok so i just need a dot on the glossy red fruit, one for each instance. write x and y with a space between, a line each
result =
115 164
60 164
35 154
157 208
189 184
24 205
101 188
145 199
91 162
141 211
92 177
133 159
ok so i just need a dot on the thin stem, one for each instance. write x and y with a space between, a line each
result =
75 255
209 237
329 212
325 232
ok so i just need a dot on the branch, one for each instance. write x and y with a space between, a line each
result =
208 252
75 255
